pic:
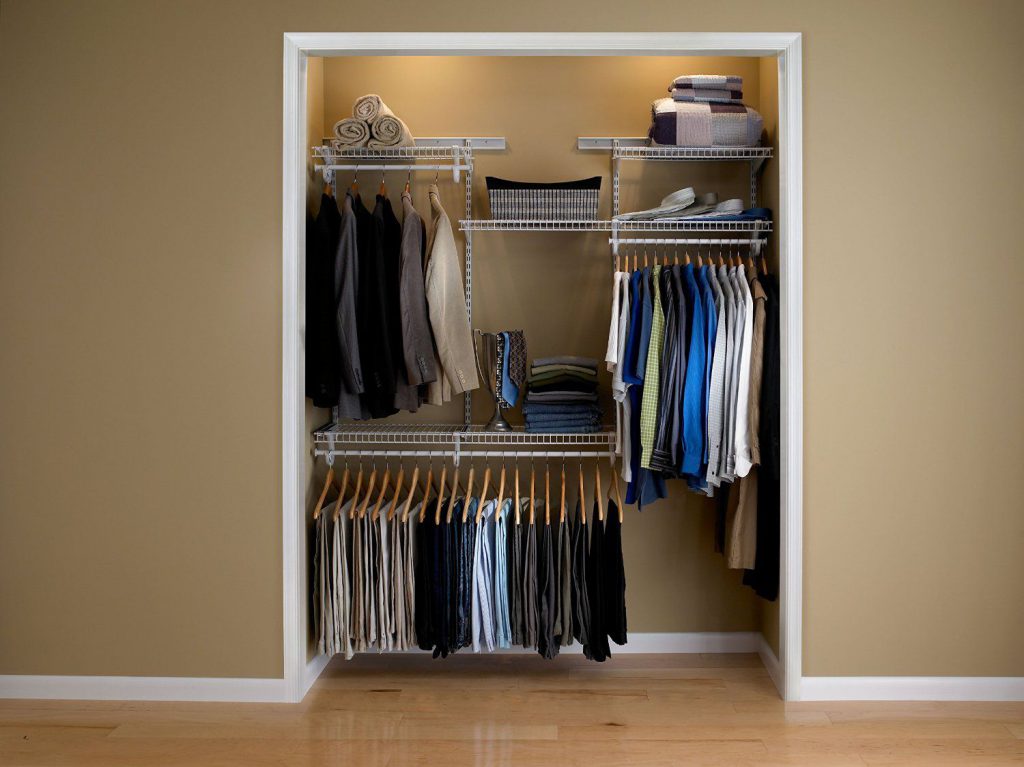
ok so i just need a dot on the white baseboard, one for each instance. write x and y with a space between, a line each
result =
770 661
314 669
174 688
967 688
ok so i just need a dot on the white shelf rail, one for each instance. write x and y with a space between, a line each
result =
605 225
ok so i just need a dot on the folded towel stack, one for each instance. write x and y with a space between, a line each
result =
710 88
561 396
372 125
705 111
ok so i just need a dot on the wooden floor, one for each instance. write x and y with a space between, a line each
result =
522 711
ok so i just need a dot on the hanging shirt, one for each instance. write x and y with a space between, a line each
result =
724 468
321 339
502 617
633 334
649 406
736 347
693 392
743 463
483 586
716 394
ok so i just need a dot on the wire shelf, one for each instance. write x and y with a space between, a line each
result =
397 153
449 439
606 225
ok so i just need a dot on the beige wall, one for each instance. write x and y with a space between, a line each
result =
140 301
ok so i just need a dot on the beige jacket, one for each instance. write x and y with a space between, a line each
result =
446 304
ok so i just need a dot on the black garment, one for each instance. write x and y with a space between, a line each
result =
547 591
406 396
425 580
466 535
515 579
598 648
580 598
440 588
614 577
374 313
721 513
322 351
529 575
764 578
566 383
668 370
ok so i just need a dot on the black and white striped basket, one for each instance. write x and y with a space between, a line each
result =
525 201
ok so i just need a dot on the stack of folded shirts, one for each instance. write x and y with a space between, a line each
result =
705 111
561 396
719 89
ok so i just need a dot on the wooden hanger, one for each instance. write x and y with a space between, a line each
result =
328 481
469 495
383 191
440 494
618 494
583 499
483 493
383 489
412 492
501 492
561 505
369 493
686 257
645 257
397 494
355 495
533 492
451 500
428 485
518 515
547 495
342 486
675 255
408 183
355 182
598 492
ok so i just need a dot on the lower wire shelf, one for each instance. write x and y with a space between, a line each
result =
455 441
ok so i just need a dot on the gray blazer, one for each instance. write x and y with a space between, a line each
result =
446 301
417 343
346 276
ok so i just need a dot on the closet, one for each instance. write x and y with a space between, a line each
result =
546 119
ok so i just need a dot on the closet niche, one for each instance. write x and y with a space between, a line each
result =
554 284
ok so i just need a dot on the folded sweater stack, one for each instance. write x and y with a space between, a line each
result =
705 111
561 396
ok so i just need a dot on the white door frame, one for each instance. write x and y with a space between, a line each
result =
298 676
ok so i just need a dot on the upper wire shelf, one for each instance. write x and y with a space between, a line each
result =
642 149
606 225
425 149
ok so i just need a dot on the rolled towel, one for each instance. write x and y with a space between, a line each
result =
351 133
388 131
720 82
369 107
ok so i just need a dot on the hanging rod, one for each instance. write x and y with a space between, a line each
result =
759 242
455 168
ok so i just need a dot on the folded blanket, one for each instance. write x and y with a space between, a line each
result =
369 107
541 369
388 131
560 397
350 133
726 82
569 384
583 362
684 123
566 429
563 420
706 94
571 408
561 376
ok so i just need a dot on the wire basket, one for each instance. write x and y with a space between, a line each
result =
527 201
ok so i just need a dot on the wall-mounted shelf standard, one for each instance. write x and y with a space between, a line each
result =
455 441
607 225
